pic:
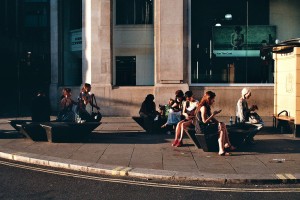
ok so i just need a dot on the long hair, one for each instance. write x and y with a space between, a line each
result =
205 100
85 86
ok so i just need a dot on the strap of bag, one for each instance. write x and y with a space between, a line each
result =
94 98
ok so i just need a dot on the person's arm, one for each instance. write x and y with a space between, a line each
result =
209 118
92 103
240 110
184 113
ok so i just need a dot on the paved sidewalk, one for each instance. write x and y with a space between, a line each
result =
121 147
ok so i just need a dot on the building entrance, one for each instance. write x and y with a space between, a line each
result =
25 53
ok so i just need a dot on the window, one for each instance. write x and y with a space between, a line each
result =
230 52
71 33
126 70
133 43
134 12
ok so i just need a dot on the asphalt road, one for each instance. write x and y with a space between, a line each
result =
19 181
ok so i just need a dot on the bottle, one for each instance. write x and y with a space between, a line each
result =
230 121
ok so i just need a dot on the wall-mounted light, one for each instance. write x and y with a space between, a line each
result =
218 24
228 16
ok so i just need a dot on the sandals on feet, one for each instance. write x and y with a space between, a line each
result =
225 154
174 143
229 147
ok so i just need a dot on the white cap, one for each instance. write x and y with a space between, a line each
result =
245 91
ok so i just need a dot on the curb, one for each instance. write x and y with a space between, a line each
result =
143 173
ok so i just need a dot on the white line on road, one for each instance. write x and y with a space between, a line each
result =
148 184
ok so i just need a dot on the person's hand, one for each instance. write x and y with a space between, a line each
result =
253 107
216 112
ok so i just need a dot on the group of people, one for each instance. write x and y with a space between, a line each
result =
185 112
70 110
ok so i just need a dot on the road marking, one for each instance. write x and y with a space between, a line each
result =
153 184
117 170
290 176
124 172
281 176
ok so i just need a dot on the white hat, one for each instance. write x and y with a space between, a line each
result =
245 91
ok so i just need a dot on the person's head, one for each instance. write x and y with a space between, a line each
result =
237 29
149 98
246 93
188 95
67 92
171 102
86 87
179 95
264 43
208 99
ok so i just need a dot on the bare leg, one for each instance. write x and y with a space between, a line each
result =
221 141
185 125
177 133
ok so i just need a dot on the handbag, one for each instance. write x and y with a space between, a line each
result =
96 115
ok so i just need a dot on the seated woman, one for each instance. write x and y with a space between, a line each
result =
189 107
174 115
206 122
243 113
85 98
148 112
66 113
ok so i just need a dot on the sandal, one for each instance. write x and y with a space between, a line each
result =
174 143
179 143
225 154
229 147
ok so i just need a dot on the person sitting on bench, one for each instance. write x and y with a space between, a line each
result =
188 111
66 113
244 115
85 98
209 124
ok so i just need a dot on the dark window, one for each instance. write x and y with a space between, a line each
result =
227 50
134 12
126 70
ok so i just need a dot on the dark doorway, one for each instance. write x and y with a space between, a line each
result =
25 53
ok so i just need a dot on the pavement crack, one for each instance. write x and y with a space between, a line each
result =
131 155
102 153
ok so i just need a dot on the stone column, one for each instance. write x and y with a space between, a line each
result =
53 93
169 47
96 42
96 46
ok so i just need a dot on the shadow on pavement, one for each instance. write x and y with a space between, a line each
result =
10 134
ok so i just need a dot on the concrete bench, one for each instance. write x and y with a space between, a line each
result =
68 131
209 141
284 122
54 131
30 130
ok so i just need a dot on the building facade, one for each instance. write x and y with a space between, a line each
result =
129 48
